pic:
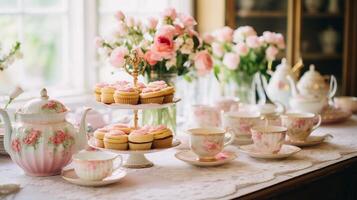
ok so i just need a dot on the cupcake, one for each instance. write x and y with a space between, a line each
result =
140 139
99 136
97 91
107 94
162 136
151 95
126 95
123 127
116 139
167 91
140 86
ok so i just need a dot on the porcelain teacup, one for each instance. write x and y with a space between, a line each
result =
206 116
95 165
268 139
300 125
240 122
207 142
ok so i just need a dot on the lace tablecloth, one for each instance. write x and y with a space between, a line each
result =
172 179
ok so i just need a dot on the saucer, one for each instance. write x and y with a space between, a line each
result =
191 158
71 176
285 151
334 115
310 141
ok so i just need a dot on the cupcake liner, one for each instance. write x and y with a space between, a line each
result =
162 143
157 100
98 98
126 100
168 98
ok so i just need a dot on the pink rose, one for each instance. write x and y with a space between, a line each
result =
271 52
217 49
117 57
119 16
279 40
208 38
170 13
241 49
231 61
188 20
167 30
269 37
241 33
163 46
253 41
151 57
203 63
152 22
225 34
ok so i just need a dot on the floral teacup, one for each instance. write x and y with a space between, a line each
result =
206 116
240 122
300 125
206 143
268 139
95 165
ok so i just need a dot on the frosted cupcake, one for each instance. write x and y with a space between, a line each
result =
107 94
122 127
126 95
99 136
140 139
97 90
116 139
162 136
151 95
167 91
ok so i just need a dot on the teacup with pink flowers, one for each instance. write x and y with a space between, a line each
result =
95 165
268 139
300 125
207 142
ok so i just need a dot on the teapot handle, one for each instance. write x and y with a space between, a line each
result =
333 87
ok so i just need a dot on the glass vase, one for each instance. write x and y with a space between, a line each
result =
165 116
242 86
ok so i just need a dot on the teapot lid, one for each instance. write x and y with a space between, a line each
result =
283 65
43 105
312 78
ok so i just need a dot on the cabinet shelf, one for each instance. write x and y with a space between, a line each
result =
261 14
321 56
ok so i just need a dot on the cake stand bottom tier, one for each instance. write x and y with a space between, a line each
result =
137 161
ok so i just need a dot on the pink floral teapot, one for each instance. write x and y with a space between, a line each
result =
42 141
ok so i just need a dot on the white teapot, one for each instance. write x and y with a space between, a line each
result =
278 88
42 141
313 83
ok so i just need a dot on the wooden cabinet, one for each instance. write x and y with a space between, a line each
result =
321 32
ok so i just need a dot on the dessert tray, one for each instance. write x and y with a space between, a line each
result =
136 158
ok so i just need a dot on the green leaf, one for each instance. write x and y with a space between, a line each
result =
216 71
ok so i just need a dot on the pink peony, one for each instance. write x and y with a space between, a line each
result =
167 30
188 20
217 49
271 52
170 13
241 49
203 63
269 37
119 16
163 46
152 22
231 61
225 34
117 57
253 41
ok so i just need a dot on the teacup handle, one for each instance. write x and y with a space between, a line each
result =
120 163
318 123
231 139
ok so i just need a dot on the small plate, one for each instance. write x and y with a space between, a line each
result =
71 176
285 151
310 141
191 158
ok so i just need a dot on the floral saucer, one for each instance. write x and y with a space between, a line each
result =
310 141
285 151
71 176
191 158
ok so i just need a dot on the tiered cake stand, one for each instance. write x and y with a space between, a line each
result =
136 158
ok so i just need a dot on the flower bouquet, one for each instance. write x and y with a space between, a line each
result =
169 47
241 53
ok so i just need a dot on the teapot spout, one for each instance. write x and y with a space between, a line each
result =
292 86
82 134
8 130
